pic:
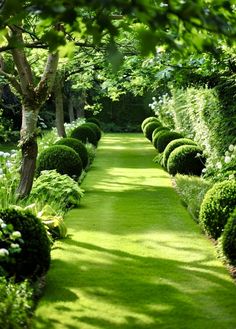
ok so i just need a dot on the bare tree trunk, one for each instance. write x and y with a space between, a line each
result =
71 109
29 150
80 106
59 107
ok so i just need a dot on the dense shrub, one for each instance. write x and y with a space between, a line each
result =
217 206
96 129
51 187
149 128
62 158
164 137
155 131
229 238
85 134
16 304
94 120
156 134
148 120
173 145
34 258
186 160
77 146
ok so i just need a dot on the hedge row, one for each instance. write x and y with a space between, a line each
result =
182 155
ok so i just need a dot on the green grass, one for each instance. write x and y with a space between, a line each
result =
134 258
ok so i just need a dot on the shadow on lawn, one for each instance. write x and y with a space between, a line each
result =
146 292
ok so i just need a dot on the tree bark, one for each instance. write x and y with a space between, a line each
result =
33 97
71 109
57 90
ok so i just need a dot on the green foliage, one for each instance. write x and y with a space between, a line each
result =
16 304
229 238
6 127
77 146
149 128
86 134
91 149
62 158
9 177
148 120
192 190
51 187
164 137
34 258
186 160
96 129
173 145
94 120
217 206
155 134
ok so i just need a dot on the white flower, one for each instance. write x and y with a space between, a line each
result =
204 170
6 154
1 221
1 153
231 148
14 245
4 252
3 225
219 165
231 176
16 235
227 159
8 164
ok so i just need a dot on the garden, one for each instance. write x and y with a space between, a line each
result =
117 164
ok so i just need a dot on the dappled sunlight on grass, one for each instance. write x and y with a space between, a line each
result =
134 259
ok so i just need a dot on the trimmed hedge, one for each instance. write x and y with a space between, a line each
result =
94 120
149 128
157 131
96 129
34 258
62 158
148 120
77 146
85 134
186 160
218 203
229 238
164 137
173 145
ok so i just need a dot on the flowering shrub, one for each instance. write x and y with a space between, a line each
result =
222 168
10 242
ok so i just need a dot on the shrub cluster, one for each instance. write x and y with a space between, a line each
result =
149 128
62 158
187 160
229 238
77 146
163 138
34 258
148 120
86 133
218 204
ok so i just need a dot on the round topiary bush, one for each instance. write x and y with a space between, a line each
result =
218 203
85 134
156 131
186 160
229 238
149 128
62 158
34 258
96 129
77 146
164 137
173 145
94 120
148 120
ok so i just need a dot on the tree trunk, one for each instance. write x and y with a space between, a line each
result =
59 107
71 109
80 106
29 149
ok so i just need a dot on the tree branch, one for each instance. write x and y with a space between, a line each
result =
12 79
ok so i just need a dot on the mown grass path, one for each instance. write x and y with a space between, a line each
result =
134 258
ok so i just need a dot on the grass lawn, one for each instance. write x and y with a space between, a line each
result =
134 258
